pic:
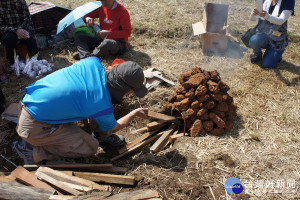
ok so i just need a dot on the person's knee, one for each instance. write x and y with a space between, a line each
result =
268 64
254 41
10 40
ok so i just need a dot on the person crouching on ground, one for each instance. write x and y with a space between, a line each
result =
112 38
272 32
16 27
80 91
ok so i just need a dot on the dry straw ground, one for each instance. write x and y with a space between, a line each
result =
262 147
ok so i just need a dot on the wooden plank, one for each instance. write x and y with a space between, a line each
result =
135 195
155 125
60 176
144 143
160 116
30 179
163 139
141 130
107 178
121 170
150 127
61 197
114 169
136 141
71 166
13 190
172 138
57 183
78 187
7 178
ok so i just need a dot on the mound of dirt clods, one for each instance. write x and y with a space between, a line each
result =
203 100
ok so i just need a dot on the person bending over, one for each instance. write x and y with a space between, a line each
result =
83 90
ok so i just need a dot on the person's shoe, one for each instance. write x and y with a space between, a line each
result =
3 78
255 59
24 150
114 140
76 55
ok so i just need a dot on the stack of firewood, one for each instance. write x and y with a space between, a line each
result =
47 182
203 100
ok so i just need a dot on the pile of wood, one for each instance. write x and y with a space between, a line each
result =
47 183
161 132
203 100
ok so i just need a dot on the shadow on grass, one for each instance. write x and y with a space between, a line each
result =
132 55
287 66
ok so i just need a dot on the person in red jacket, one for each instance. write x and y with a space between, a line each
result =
112 38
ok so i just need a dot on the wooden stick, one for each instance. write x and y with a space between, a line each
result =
61 197
60 176
135 195
155 125
141 130
172 138
136 141
72 166
57 183
30 179
107 178
160 116
163 139
137 146
14 190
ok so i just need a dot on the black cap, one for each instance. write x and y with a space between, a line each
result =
125 77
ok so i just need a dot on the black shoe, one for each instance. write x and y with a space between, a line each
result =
114 140
255 59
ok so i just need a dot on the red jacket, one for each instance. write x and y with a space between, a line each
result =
117 21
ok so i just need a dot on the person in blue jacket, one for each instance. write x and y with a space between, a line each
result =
83 90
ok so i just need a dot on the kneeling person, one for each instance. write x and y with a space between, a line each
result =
83 90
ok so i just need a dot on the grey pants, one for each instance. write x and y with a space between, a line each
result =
95 46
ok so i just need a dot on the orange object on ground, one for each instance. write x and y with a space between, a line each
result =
115 63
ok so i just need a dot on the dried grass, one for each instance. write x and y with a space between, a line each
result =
264 143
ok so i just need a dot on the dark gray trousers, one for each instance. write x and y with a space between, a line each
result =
95 46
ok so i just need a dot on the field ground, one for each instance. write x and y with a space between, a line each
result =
263 146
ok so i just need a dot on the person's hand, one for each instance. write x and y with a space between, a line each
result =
255 12
22 34
103 34
89 21
141 112
263 14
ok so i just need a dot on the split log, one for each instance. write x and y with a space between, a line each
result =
172 138
72 180
135 195
163 139
57 183
144 143
107 178
30 179
135 142
13 190
160 116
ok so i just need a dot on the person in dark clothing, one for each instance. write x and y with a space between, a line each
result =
16 27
